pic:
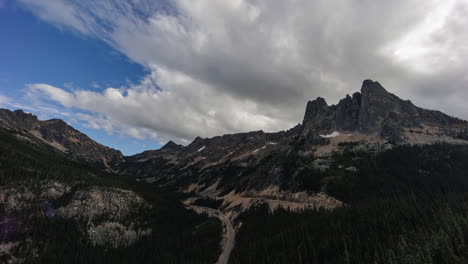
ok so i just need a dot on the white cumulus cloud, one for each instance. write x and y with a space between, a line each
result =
238 65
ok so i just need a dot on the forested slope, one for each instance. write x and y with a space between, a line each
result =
132 223
405 205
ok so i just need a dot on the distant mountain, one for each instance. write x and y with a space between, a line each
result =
369 117
251 162
59 135
374 110
257 161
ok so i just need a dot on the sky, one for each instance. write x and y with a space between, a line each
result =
134 74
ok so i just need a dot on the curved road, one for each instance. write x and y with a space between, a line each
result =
229 236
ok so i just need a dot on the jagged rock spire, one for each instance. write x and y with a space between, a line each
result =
314 107
374 109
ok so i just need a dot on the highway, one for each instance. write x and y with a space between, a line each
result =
229 235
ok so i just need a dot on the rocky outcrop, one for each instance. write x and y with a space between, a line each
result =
315 108
115 235
61 136
109 216
374 110
348 112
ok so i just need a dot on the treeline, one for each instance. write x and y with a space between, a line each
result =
405 205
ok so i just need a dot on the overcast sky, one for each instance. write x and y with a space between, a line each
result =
215 67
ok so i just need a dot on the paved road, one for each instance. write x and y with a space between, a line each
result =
229 236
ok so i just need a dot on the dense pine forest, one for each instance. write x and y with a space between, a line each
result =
178 235
404 205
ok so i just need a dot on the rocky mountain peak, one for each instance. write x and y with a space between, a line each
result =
373 109
59 135
371 87
9 118
314 107
378 105
171 146
197 141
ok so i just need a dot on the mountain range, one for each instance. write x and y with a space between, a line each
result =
365 175
372 117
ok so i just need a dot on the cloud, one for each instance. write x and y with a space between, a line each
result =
53 93
3 100
437 42
188 108
239 65
95 85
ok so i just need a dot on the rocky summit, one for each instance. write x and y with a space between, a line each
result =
375 110
59 135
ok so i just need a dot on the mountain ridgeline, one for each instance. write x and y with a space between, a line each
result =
257 160
59 135
372 179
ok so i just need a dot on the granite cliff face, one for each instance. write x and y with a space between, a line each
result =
61 136
375 110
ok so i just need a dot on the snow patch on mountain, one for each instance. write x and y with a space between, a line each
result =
332 135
